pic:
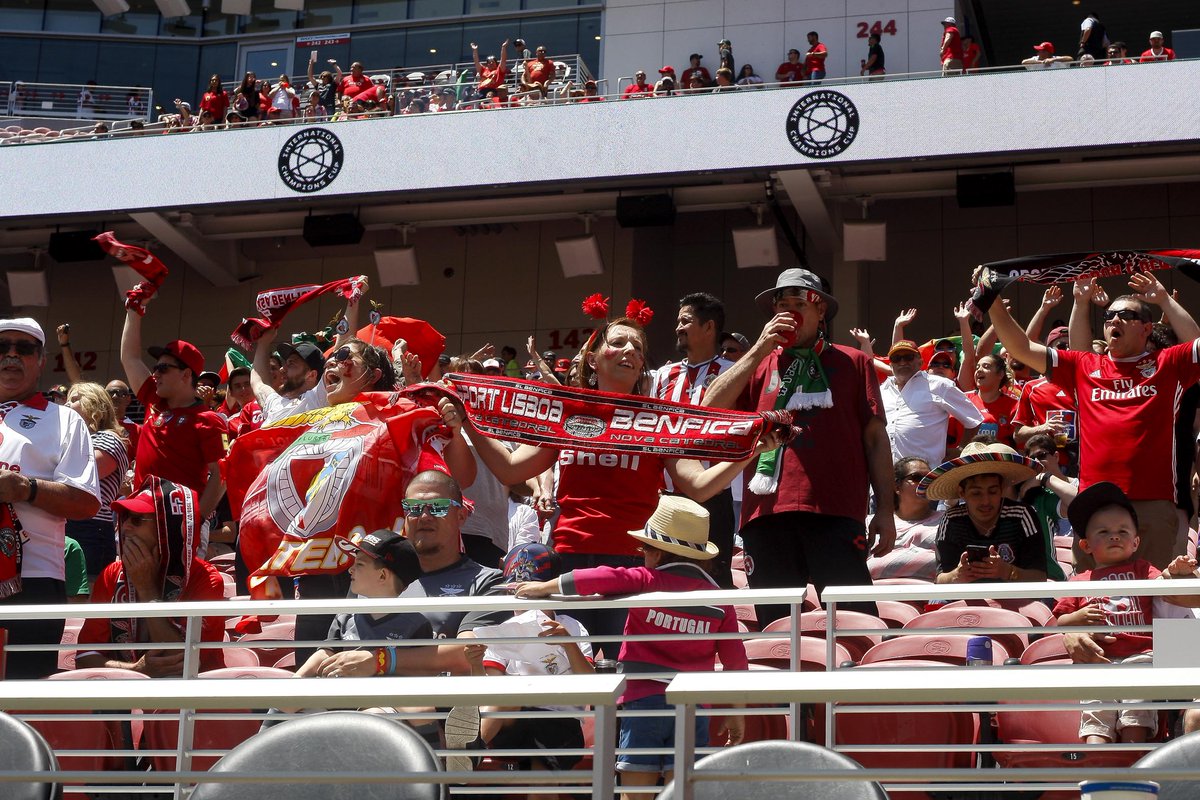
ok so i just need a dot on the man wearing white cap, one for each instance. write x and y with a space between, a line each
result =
951 49
47 476
1157 52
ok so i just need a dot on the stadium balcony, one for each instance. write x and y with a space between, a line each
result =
917 719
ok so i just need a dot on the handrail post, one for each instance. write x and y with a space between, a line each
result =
685 750
795 710
830 629
187 717
604 755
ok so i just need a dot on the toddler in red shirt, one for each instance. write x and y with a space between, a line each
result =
1106 523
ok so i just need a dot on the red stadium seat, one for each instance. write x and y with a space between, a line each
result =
947 648
1019 726
777 653
1047 650
66 658
812 623
740 579
895 613
85 734
274 632
919 605
240 657
209 734
748 614
979 617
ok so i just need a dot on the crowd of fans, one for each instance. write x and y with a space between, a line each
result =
983 455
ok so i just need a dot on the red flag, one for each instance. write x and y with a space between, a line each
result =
143 261
304 484
275 304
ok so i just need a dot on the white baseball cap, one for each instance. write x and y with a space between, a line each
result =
24 325
1156 34
949 21
492 363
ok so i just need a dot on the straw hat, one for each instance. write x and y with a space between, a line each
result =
678 526
976 459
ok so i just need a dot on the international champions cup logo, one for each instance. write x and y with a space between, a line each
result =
310 160
822 124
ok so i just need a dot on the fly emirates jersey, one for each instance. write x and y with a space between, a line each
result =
1127 409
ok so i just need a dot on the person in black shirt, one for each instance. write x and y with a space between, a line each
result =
873 64
987 537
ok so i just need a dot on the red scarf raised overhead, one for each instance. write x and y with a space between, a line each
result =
275 304
303 484
548 415
143 261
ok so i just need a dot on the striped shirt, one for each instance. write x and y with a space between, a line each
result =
1018 538
113 446
682 382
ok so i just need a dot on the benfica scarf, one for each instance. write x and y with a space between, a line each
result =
275 304
991 279
144 262
547 415
301 485
804 386
11 535
176 518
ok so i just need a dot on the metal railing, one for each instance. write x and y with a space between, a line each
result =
76 101
844 690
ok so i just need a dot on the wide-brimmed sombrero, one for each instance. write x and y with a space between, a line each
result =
678 526
976 459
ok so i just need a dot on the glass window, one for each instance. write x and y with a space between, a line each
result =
141 19
218 24
493 6
188 27
20 58
219 59
377 51
325 13
125 64
489 36
589 42
339 53
559 35
175 71
77 16
63 61
368 11
266 18
532 5
424 9
439 44
21 15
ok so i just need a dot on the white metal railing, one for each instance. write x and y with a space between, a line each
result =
76 101
843 690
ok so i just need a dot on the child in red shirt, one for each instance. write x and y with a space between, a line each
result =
1106 522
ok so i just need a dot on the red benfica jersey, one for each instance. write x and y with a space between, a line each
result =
603 496
178 443
1127 410
1118 610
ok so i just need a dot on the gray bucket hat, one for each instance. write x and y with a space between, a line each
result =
796 278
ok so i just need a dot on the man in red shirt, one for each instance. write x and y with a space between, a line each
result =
159 531
491 74
811 527
181 439
694 66
814 59
355 83
539 72
951 50
790 72
970 53
1126 399
1157 52
639 87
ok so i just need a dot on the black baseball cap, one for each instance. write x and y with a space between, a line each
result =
1094 498
309 353
393 551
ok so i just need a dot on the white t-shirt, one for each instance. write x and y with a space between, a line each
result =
275 406
523 526
918 416
489 518
557 664
48 441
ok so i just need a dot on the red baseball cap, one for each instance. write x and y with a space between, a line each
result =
562 365
1044 47
140 503
182 351
668 70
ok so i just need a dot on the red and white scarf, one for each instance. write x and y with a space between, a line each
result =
275 304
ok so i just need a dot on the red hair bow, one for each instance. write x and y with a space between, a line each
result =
639 312
596 306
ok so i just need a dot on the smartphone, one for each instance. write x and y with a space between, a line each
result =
978 552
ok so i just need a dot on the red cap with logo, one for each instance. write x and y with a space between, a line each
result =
184 352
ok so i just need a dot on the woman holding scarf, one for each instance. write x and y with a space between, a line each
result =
603 496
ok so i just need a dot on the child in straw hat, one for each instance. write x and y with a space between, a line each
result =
674 543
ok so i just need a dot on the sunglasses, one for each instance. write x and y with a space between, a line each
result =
161 369
940 364
1126 314
901 357
22 347
116 393
437 508
914 477
733 350
137 519
343 353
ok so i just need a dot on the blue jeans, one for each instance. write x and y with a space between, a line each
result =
656 732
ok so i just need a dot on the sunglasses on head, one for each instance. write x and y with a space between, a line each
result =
23 348
438 507
1126 314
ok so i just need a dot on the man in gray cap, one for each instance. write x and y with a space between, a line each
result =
47 476
803 514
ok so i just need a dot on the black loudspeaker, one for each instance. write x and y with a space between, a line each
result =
645 210
986 189
74 246
332 229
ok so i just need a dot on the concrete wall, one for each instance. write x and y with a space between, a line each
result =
649 33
